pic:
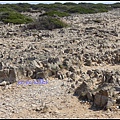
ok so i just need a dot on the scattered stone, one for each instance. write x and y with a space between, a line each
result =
85 57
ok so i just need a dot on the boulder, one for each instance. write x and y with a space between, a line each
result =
102 91
13 76
83 90
4 75
9 75
101 98
89 96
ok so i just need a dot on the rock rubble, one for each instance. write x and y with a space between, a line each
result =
92 41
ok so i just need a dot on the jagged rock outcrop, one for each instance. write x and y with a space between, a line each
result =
103 93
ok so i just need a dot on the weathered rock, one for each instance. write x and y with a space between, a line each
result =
100 90
3 83
40 75
9 75
68 74
118 100
109 104
88 62
68 50
67 63
73 76
1 55
53 60
1 65
54 68
4 75
83 90
72 86
90 96
101 98
60 75
13 77
72 69
90 73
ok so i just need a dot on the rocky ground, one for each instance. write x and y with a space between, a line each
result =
81 64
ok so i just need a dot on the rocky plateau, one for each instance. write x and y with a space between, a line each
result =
80 62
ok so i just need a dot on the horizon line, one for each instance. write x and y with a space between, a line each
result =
50 2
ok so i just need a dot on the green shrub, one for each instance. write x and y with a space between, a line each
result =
46 23
81 10
88 8
14 17
20 7
115 5
12 12
56 13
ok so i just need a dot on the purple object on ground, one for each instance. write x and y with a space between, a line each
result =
38 81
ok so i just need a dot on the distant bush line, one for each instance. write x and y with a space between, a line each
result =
11 13
63 7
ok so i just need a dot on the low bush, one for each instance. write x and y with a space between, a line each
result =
56 13
14 17
81 10
46 23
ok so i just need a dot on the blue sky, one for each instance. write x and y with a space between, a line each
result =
36 2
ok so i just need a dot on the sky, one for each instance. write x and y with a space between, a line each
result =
48 2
